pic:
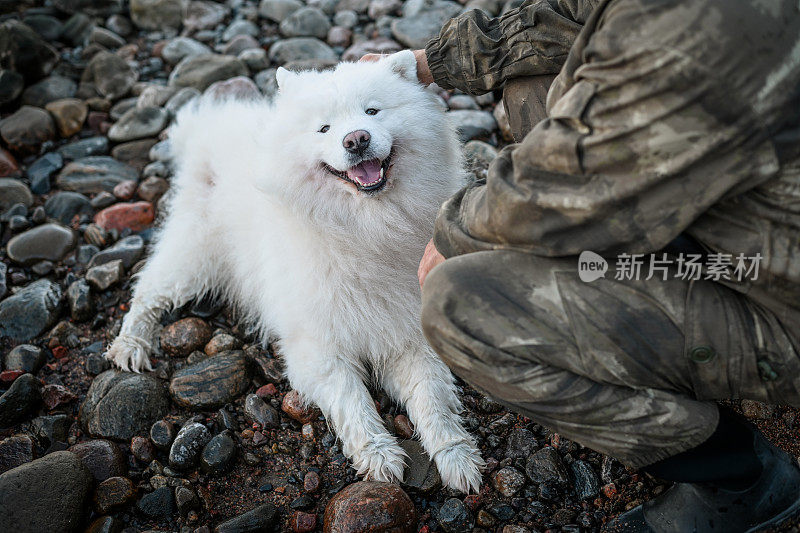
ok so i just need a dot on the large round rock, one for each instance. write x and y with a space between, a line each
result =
212 382
48 494
31 310
202 70
48 242
120 405
369 506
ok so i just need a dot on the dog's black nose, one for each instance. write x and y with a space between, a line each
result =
356 142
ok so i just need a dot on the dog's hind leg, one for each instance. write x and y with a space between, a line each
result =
421 381
335 385
180 269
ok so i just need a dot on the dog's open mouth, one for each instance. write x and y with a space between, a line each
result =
369 176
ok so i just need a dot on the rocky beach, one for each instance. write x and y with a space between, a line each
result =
215 439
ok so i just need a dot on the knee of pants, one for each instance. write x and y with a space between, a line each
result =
464 310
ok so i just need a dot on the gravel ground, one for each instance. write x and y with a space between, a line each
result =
214 438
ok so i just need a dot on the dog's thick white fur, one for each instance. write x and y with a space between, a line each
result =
327 268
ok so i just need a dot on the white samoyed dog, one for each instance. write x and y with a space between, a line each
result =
310 215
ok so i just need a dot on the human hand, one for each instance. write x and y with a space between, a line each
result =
430 259
423 72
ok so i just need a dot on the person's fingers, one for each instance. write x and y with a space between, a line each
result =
371 57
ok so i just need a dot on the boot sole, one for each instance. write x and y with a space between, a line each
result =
790 512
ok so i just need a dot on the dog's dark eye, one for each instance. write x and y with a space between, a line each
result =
371 111
324 129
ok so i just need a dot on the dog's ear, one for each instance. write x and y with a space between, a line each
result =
403 63
283 77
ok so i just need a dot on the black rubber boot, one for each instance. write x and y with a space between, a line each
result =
705 507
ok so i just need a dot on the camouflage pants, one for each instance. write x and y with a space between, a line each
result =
628 368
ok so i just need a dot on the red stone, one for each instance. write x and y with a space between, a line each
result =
8 165
259 438
370 506
8 376
304 522
184 336
57 395
96 119
125 189
267 391
311 481
610 490
294 406
403 426
59 352
472 502
136 216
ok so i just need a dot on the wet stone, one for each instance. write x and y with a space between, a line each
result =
25 357
162 433
110 75
91 175
585 481
11 85
26 129
79 297
41 170
262 518
49 242
181 338
188 445
134 216
546 465
202 70
211 383
301 48
104 276
420 473
69 115
113 494
55 396
20 400
61 485
157 14
454 517
306 22
158 504
128 250
31 310
139 123
185 499
277 10
240 88
181 47
84 148
371 506
14 451
50 430
473 124
218 454
257 411
120 405
294 406
103 458
142 449
222 343
508 481
65 205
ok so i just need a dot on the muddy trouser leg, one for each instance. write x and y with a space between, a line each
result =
628 368
524 100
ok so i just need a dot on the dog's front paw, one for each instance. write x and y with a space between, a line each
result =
460 466
381 460
130 353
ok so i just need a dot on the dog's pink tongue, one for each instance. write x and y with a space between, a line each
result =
366 173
